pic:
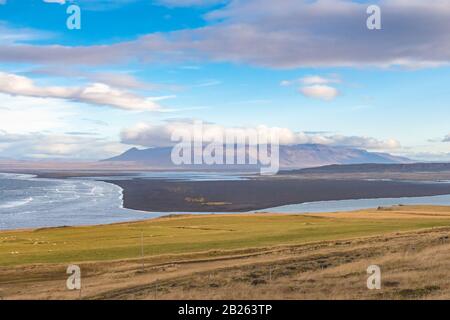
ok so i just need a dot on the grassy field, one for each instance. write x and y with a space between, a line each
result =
187 234
33 262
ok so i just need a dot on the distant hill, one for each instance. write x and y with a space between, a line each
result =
376 168
291 157
153 157
315 155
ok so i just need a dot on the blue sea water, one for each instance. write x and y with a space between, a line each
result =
177 176
29 202
358 204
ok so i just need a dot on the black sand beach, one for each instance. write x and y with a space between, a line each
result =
248 195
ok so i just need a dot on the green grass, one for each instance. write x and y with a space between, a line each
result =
187 235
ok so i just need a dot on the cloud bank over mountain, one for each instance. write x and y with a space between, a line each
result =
149 135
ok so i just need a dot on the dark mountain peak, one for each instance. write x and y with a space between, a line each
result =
128 155
131 150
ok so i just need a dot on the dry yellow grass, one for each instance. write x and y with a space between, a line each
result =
315 256
415 265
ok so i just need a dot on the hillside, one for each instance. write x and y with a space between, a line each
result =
291 157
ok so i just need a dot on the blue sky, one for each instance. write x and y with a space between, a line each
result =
136 67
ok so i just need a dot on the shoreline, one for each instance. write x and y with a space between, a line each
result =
207 215
58 203
179 197
252 195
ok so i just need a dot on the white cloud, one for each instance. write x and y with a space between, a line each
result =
300 33
97 93
56 1
446 138
316 86
311 80
33 127
145 134
317 91
150 135
28 114
56 146
122 80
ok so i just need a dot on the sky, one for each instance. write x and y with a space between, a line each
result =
137 69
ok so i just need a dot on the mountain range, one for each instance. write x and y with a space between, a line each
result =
291 157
